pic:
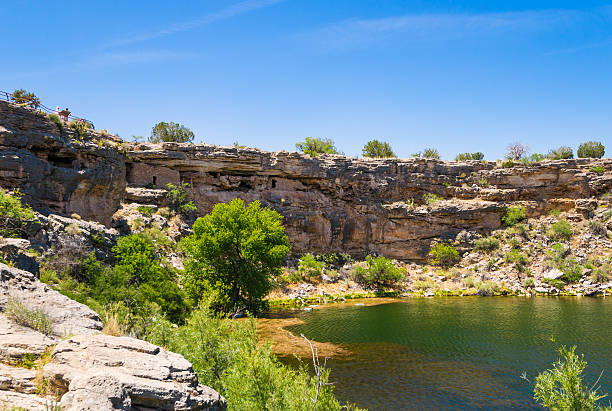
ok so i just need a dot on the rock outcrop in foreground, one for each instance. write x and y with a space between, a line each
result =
81 368
329 204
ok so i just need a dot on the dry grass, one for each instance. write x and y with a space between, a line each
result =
112 325
35 318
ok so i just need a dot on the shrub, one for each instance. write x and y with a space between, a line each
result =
558 284
516 151
469 156
560 153
237 251
591 149
562 386
380 273
560 231
572 271
532 158
80 127
315 146
487 288
58 121
14 216
529 283
34 318
517 258
598 228
486 244
309 269
227 356
444 254
514 215
431 153
469 282
377 149
431 199
146 210
24 97
597 169
601 274
508 164
171 132
177 194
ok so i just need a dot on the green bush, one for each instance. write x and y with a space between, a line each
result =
58 121
469 156
601 274
14 216
34 318
316 146
532 158
514 215
237 251
560 231
177 194
487 288
529 283
562 387
171 132
380 274
517 258
560 153
377 149
486 244
146 210
27 98
431 153
572 271
309 269
444 254
431 199
227 356
591 149
558 284
597 169
508 164
80 128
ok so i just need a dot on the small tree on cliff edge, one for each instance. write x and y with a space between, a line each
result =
377 149
314 146
171 132
235 251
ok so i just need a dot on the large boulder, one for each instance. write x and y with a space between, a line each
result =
101 372
68 316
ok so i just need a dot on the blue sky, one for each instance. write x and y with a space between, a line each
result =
458 76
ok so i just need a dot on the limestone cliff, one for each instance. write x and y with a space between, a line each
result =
329 204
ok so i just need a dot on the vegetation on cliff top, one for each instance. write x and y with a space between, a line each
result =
316 146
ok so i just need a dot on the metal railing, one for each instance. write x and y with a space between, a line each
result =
6 96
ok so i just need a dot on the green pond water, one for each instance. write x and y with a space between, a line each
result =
457 353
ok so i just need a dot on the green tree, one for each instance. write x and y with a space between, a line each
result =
28 98
380 273
469 156
562 387
591 149
315 146
377 149
560 153
171 132
514 215
14 216
237 251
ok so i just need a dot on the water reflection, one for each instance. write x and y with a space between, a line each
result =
457 353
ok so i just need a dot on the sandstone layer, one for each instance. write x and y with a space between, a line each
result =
329 204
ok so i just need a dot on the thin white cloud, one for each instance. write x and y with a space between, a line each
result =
434 26
229 12
134 57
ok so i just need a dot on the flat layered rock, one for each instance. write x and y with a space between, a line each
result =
101 372
68 316
17 341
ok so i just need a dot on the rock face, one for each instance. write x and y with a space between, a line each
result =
101 372
329 204
56 172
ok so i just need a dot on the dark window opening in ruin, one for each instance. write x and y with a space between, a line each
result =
273 183
154 180
61 161
83 166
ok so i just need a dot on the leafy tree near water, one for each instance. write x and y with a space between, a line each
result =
316 146
237 251
171 132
